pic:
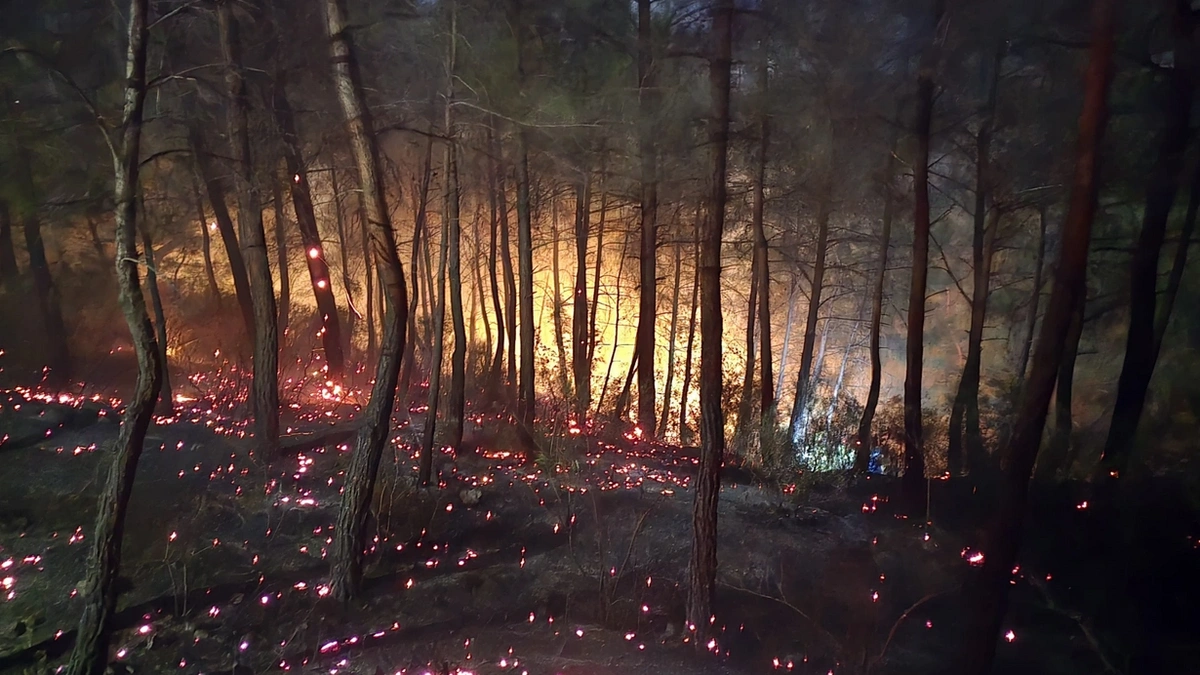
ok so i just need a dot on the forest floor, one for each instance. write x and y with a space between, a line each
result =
570 562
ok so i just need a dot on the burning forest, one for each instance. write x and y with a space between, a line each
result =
470 337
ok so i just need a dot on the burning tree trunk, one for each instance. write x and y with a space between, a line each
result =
913 484
233 251
1035 297
350 531
580 342
804 388
458 366
1165 177
648 301
166 400
862 455
99 589
986 594
306 222
281 258
702 570
8 256
265 395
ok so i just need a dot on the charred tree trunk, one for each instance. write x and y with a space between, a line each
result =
913 483
616 323
1055 460
99 589
49 306
986 594
804 381
767 412
206 244
265 396
437 351
369 273
1165 177
787 335
306 223
556 302
666 402
648 98
685 431
229 237
510 281
1035 298
702 569
281 258
526 399
1179 264
495 371
746 403
166 399
966 400
352 313
8 256
420 229
593 336
580 342
458 358
350 532
862 454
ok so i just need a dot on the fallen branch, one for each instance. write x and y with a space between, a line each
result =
896 626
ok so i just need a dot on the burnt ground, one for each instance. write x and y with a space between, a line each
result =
572 561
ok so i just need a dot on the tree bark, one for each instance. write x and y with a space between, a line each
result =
281 258
1055 461
306 223
456 406
526 398
913 482
265 389
1034 299
49 306
804 381
702 570
420 229
580 341
648 105
369 273
166 400
350 531
666 401
99 589
986 594
866 444
8 256
1165 177
229 237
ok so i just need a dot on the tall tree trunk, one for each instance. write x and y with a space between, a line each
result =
1055 460
580 342
685 431
265 395
804 381
862 455
99 589
281 257
8 256
767 412
420 229
1179 264
593 336
1164 180
166 400
48 303
702 569
229 237
746 403
352 312
624 400
666 404
350 531
458 358
841 374
966 399
648 107
369 273
206 243
495 371
478 302
1035 297
510 281
437 349
967 396
787 335
306 222
913 483
556 303
986 594
612 358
